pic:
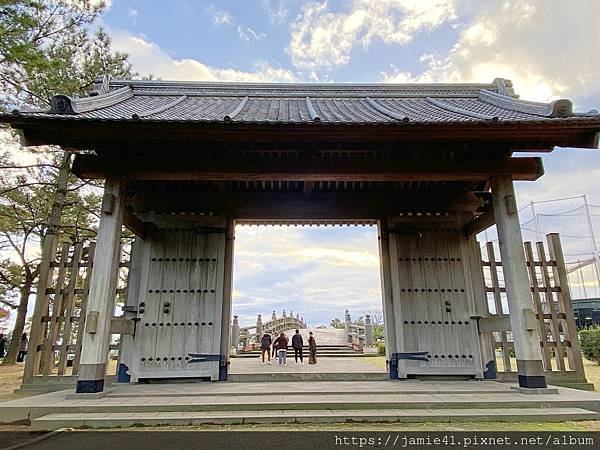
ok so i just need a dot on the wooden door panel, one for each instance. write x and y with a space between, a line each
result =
434 302
182 301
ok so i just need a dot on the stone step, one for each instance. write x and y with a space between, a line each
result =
127 419
276 401
306 377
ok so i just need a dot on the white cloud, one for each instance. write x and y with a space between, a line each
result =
277 10
222 18
316 272
549 48
324 39
247 34
132 12
148 58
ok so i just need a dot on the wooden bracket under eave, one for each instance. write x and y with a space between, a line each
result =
479 224
137 226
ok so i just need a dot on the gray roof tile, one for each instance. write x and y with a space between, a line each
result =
287 103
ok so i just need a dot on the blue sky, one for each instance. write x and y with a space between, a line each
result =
549 48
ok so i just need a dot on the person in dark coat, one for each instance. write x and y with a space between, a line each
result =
312 349
297 344
281 343
2 345
22 347
265 347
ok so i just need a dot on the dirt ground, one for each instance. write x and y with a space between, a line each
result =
10 379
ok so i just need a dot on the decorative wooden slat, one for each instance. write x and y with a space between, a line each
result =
498 304
565 304
558 354
537 302
49 357
83 306
69 304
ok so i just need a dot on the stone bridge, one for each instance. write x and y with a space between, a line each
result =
276 325
354 334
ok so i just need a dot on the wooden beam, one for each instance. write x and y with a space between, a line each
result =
121 325
182 167
477 225
316 206
135 225
491 324
541 136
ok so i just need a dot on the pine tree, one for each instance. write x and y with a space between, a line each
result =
46 48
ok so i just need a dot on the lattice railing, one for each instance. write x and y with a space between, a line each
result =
60 326
552 305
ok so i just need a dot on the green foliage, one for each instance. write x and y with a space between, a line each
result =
590 343
381 349
46 48
378 331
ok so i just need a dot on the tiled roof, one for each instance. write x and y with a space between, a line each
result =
303 103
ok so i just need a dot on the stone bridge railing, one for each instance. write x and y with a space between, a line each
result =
357 334
253 333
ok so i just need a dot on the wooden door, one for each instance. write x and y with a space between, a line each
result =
433 301
180 300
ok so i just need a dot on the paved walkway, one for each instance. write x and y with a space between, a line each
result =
324 364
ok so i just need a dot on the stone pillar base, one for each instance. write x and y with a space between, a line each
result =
89 386
531 374
535 391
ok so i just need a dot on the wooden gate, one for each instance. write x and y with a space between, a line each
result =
179 300
433 301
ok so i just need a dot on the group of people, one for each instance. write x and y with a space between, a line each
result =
272 348
22 346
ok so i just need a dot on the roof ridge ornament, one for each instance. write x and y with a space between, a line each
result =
229 117
63 104
557 108
385 111
505 87
458 110
311 111
101 85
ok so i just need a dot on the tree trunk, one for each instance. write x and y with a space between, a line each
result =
13 348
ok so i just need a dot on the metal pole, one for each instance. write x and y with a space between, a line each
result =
593 236
581 278
538 235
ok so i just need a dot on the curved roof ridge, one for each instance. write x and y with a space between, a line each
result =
458 109
556 108
161 108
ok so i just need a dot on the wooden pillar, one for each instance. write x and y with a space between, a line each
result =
127 351
103 286
226 306
518 289
389 318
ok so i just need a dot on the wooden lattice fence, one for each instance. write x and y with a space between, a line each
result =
552 305
55 346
